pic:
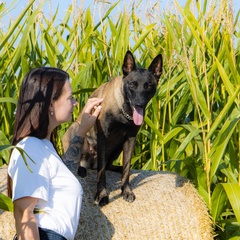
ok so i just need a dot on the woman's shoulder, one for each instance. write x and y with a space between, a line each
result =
30 142
32 147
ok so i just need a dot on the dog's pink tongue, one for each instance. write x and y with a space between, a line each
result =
138 116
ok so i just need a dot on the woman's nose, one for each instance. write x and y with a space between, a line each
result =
75 103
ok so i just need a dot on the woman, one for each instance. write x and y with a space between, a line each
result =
47 198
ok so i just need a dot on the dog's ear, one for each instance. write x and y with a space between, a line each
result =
128 64
156 66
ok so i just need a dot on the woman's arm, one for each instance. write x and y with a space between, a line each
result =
73 154
89 115
26 224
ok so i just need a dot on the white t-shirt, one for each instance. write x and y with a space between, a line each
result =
58 190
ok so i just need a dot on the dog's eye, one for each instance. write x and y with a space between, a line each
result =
147 86
133 84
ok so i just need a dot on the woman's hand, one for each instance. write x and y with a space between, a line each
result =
89 115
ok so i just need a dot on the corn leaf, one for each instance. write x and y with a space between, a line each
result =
6 203
233 192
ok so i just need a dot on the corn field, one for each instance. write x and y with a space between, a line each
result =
191 125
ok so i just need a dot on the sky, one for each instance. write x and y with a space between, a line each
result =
50 6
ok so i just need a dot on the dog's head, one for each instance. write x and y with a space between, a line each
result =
139 84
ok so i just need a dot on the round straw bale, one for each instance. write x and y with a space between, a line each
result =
167 206
7 224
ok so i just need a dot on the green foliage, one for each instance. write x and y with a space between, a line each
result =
192 123
6 203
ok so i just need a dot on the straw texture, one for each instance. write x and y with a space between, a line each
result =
167 206
7 225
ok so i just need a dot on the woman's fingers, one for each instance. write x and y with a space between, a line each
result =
92 104
96 111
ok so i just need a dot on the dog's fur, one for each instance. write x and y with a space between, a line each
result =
123 108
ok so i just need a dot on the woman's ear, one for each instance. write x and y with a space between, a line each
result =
51 108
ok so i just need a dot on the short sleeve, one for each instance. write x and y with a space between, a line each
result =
33 182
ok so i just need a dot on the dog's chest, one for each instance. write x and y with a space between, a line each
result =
119 127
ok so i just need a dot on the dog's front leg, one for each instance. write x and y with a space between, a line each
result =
101 196
128 147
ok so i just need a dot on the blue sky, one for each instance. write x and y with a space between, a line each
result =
64 4
16 7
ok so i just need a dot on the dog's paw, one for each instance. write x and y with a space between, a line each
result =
82 172
101 200
129 196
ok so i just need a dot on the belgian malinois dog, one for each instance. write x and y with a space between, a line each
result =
123 108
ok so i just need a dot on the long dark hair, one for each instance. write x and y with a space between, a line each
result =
39 87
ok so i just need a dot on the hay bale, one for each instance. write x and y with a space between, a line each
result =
7 224
167 206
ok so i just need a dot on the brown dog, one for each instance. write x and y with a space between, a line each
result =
121 116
